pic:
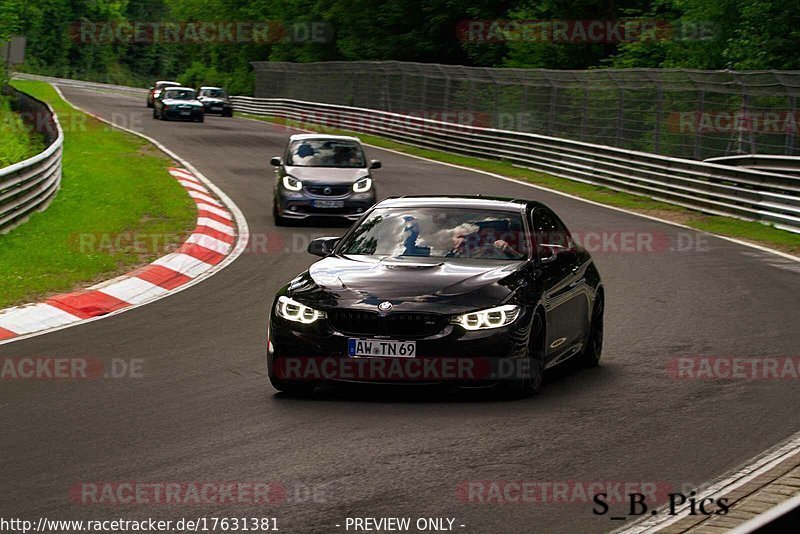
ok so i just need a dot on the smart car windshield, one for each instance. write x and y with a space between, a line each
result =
326 153
214 93
439 233
179 94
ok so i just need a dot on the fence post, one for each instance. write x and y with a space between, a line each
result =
551 114
659 111
698 139
585 114
620 112
791 133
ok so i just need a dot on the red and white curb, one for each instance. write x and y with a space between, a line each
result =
212 240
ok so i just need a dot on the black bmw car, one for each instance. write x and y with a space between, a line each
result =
471 291
178 103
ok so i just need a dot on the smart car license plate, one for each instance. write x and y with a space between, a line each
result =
381 348
216 108
186 112
329 203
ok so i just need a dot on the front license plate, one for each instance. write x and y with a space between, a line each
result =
329 203
381 348
186 112
216 108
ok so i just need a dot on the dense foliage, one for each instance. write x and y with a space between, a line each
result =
707 34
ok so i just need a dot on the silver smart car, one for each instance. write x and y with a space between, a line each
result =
324 176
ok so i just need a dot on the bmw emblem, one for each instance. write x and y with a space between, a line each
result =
385 306
327 190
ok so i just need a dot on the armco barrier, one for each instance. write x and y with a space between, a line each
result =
30 185
708 187
764 162
769 197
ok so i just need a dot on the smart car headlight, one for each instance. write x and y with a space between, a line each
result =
291 310
363 185
486 319
291 183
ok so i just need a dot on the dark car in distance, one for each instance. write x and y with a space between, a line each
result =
178 103
215 101
154 91
421 279
322 176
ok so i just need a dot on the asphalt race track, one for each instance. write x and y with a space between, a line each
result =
204 410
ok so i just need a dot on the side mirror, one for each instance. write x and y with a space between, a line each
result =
546 254
322 246
275 162
375 164
549 253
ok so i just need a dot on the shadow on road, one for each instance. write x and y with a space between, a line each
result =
558 382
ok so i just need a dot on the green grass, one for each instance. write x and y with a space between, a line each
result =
114 184
727 226
17 141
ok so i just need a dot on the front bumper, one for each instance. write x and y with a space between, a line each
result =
318 353
177 114
301 205
218 109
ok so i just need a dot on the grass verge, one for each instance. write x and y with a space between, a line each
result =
118 208
753 232
17 141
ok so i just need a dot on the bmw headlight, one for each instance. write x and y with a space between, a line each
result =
291 183
486 319
363 185
291 310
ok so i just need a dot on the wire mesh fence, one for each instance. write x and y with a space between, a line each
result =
676 112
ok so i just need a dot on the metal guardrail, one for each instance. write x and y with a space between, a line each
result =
763 162
82 84
30 185
708 187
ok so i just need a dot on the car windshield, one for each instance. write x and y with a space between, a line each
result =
214 93
161 85
439 233
179 94
326 153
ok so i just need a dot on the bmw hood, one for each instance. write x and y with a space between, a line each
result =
439 285
326 175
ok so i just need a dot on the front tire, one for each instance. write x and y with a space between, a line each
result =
279 221
594 342
531 382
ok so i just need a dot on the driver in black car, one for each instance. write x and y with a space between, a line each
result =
472 243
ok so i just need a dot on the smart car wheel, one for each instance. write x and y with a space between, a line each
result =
279 221
594 343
